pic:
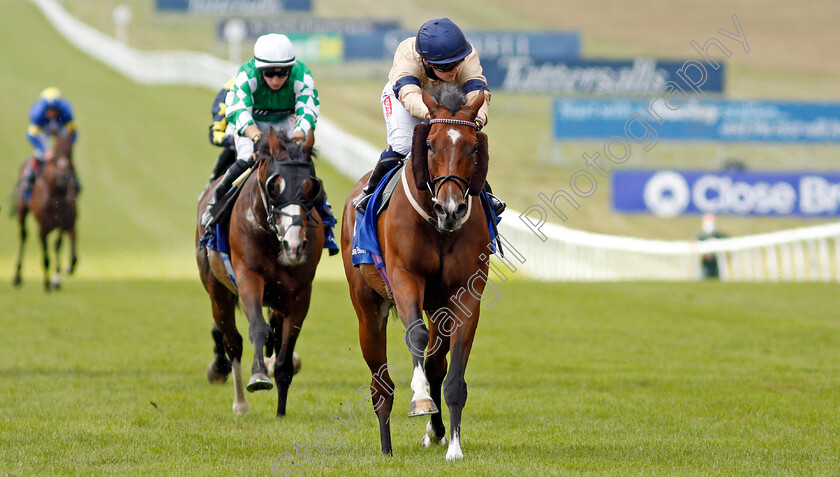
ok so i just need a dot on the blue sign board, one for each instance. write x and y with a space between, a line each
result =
232 7
540 45
640 76
360 39
671 193
378 40
701 119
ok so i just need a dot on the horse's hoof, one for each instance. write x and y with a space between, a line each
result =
296 362
240 408
259 382
422 407
17 281
430 438
214 376
269 363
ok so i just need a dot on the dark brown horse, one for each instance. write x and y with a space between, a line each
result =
276 238
430 262
53 203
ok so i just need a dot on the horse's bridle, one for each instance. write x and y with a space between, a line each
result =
271 211
437 182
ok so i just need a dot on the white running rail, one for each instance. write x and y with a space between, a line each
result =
805 254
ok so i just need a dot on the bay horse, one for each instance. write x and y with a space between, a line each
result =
53 203
276 238
429 264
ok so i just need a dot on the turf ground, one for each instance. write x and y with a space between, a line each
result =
107 376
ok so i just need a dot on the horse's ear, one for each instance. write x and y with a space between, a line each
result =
273 142
476 104
316 190
482 161
420 156
430 103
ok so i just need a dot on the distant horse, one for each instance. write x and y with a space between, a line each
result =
429 263
276 239
53 203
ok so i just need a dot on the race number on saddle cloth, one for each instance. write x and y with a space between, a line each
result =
365 242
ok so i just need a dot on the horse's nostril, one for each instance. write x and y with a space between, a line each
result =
461 210
439 210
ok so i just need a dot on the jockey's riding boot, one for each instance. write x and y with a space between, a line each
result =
225 184
29 175
77 182
497 203
328 219
226 158
388 160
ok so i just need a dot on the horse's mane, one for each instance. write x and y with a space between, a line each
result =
450 96
64 146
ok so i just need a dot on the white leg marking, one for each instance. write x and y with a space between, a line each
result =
429 438
269 364
419 384
454 451
240 405
55 283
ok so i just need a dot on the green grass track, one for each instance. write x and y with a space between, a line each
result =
688 379
106 377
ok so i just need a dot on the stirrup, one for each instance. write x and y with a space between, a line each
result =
360 201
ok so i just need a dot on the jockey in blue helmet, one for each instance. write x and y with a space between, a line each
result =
50 115
440 53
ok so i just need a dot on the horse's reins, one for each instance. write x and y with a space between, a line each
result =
428 218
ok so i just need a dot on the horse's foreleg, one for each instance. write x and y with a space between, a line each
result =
22 220
373 324
220 367
435 371
55 283
45 252
284 368
455 387
224 307
408 293
73 257
251 289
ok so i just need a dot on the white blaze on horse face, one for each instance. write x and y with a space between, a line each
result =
291 240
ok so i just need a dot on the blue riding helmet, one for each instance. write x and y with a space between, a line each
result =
440 42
